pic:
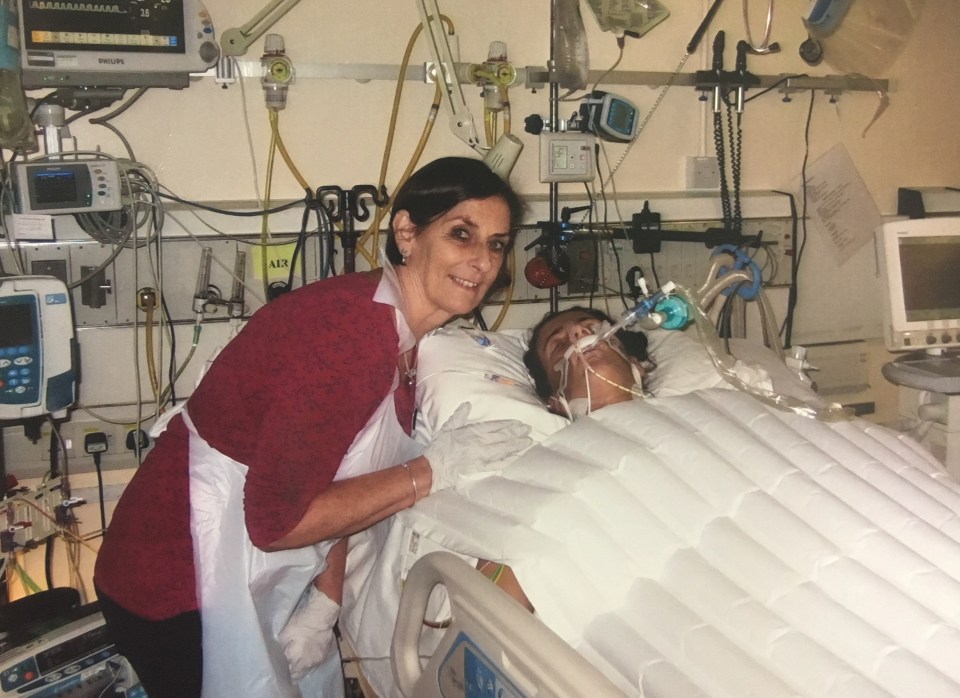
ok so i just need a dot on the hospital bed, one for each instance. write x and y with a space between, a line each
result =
698 543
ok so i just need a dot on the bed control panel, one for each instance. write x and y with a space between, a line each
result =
465 672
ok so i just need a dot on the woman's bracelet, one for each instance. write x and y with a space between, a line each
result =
413 480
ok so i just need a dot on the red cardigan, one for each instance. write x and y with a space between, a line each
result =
286 397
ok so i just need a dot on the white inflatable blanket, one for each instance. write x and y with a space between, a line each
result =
708 545
704 544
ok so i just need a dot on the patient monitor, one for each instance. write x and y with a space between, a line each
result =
919 260
38 351
115 43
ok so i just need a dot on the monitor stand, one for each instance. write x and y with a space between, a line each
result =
929 391
936 372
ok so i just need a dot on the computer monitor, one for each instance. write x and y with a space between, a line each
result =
919 264
114 43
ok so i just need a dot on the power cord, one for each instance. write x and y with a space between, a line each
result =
95 443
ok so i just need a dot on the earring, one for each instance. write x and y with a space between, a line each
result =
403 256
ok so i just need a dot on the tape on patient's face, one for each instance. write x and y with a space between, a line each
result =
597 329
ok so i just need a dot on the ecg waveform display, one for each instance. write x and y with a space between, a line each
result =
75 6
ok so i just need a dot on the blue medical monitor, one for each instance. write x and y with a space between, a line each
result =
919 264
38 351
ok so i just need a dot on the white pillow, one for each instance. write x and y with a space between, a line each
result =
463 364
459 364
683 363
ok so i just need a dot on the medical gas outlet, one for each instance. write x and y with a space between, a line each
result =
277 72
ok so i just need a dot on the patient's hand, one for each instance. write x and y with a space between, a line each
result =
503 577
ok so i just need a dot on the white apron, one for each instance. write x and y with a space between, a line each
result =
247 595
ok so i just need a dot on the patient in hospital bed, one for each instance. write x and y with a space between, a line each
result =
688 539
573 382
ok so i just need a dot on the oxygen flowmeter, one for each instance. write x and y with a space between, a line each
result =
38 350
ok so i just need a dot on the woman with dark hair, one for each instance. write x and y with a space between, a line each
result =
297 436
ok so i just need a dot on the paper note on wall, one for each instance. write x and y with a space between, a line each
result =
278 258
839 204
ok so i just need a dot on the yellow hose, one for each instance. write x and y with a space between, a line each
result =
508 294
373 230
265 222
275 134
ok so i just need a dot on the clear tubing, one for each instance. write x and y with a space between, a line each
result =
722 361
725 365
582 406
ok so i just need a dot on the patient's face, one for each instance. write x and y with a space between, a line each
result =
563 331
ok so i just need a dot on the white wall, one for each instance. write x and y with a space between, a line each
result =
335 129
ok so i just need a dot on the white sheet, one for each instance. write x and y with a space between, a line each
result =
705 544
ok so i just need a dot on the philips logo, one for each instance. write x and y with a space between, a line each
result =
111 61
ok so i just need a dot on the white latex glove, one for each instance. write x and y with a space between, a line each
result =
461 449
308 637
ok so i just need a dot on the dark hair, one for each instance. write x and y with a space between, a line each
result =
442 184
634 344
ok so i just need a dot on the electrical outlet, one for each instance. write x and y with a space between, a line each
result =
132 438
703 172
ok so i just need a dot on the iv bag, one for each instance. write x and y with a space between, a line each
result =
571 57
870 36
633 17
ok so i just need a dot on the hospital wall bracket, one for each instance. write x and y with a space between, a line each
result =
538 77
236 41
724 82
461 120
347 206
646 234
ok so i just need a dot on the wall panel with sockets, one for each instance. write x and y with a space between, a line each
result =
109 299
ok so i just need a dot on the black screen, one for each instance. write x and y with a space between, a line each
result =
929 268
149 26
16 324
72 650
55 188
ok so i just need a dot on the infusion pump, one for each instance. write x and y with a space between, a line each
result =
38 349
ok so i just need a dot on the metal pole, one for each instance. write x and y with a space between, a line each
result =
554 125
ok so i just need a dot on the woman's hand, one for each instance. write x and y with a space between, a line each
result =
461 449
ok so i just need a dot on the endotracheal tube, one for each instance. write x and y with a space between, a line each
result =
660 309
578 407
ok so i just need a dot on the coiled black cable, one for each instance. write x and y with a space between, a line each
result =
736 139
718 140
